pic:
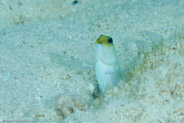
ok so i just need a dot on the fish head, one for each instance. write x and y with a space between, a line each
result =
105 50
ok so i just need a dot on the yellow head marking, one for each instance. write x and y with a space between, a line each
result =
105 40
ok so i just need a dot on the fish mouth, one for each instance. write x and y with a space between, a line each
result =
105 54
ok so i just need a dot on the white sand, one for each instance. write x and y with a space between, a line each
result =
47 61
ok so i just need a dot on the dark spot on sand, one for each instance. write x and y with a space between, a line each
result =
75 2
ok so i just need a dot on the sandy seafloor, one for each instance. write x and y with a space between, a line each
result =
47 61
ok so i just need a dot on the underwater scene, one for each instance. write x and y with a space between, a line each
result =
91 61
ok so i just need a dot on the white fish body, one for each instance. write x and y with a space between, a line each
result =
107 67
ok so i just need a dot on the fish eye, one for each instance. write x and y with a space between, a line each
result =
110 40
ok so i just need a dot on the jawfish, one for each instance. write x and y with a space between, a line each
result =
107 67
